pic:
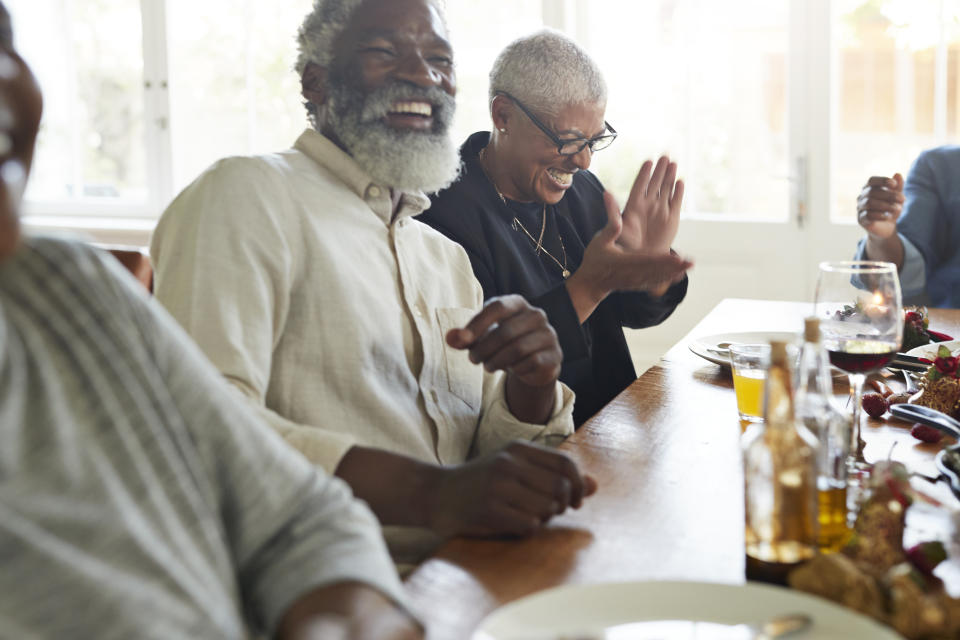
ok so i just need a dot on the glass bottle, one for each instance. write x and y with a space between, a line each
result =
780 481
832 428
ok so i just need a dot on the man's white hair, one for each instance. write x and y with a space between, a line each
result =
320 30
547 71
323 25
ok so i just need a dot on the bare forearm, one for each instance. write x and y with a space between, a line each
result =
885 249
533 405
585 296
397 488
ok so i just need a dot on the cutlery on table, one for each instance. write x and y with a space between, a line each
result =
907 363
936 419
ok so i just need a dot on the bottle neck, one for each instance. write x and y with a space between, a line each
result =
813 372
778 409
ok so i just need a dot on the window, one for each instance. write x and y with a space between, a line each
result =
705 81
896 88
141 96
91 141
132 117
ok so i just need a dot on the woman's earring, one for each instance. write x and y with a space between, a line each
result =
503 131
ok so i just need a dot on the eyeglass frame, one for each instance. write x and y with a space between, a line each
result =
560 142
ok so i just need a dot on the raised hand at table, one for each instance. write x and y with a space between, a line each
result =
513 491
608 265
652 214
511 335
880 204
878 208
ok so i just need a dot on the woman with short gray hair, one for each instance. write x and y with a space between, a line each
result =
534 221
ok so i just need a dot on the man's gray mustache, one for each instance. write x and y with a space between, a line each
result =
379 102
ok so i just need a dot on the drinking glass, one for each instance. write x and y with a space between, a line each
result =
749 363
861 325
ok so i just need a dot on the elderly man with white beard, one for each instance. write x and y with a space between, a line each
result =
359 333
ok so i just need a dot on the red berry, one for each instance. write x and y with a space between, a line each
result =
874 404
926 433
927 555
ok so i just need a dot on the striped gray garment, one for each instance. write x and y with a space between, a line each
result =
137 497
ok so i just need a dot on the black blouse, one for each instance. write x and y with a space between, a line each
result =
596 362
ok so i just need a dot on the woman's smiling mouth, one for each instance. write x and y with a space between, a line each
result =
563 179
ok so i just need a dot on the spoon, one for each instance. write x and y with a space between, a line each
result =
721 348
780 626
936 419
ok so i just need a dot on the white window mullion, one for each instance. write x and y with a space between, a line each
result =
810 115
157 104
940 81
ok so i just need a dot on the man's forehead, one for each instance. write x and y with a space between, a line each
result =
389 18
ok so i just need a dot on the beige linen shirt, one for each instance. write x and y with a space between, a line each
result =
329 313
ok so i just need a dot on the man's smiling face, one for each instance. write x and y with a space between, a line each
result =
390 94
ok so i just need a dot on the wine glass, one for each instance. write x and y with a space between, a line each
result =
861 325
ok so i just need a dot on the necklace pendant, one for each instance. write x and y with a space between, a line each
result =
565 274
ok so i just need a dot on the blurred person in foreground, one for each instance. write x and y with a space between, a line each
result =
534 221
136 498
916 225
358 332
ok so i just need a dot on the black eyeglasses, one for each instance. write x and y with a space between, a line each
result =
570 146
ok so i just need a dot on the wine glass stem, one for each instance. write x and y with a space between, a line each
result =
856 439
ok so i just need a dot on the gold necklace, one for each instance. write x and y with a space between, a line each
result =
563 266
538 244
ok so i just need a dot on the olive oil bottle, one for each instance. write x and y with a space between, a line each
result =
814 408
780 481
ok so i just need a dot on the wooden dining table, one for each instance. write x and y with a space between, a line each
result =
665 454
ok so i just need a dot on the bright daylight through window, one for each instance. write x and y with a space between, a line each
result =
133 117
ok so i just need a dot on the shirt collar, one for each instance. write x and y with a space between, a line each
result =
324 152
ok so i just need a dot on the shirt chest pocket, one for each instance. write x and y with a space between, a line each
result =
464 378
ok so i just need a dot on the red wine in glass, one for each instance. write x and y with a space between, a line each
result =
861 362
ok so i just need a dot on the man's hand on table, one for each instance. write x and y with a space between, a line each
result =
513 491
511 335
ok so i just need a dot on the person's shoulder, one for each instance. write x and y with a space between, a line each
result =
75 264
61 250
585 179
461 209
945 155
249 171
233 188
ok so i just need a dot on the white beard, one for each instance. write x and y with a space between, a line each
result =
403 160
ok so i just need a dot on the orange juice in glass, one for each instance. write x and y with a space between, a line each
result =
749 364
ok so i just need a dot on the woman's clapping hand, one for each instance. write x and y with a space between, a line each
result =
632 252
652 215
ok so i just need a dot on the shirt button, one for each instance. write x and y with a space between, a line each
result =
374 191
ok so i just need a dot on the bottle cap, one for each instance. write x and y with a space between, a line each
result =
778 352
811 329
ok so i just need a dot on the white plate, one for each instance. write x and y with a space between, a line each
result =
929 351
701 346
594 611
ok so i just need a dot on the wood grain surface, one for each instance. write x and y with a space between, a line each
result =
666 456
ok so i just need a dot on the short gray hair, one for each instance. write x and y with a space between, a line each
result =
547 71
320 30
